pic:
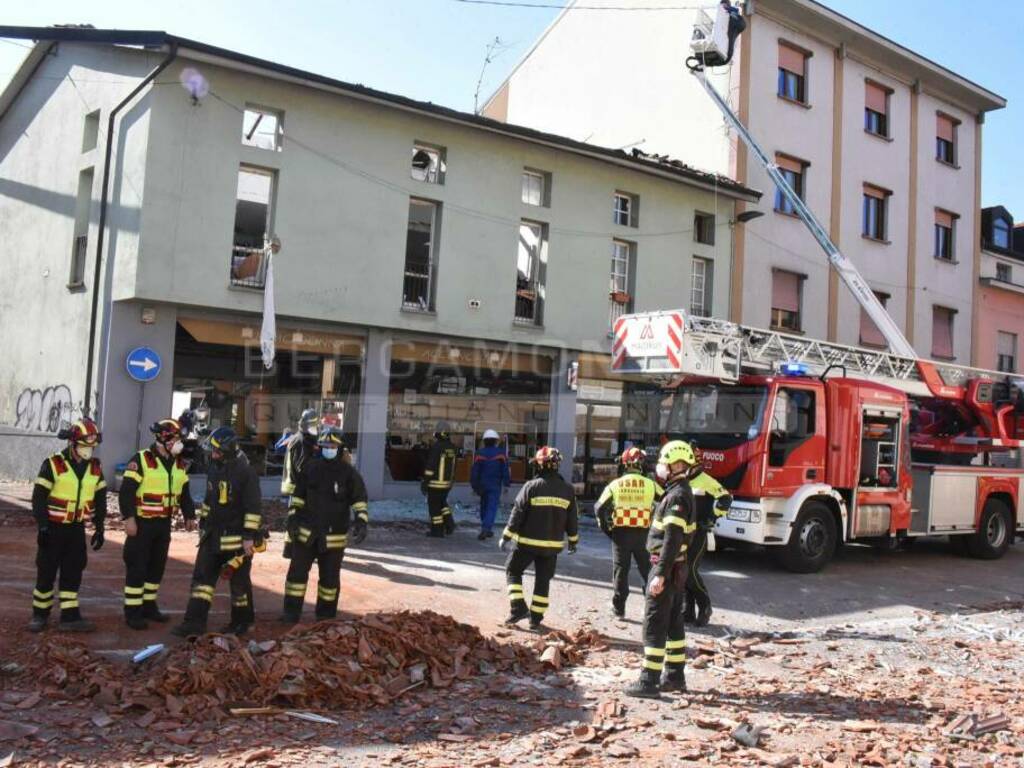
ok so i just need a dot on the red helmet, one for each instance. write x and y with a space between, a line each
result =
331 420
632 457
83 432
167 430
546 456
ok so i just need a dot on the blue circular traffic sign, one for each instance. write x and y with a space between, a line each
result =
143 364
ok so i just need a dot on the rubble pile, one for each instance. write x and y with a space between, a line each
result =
335 665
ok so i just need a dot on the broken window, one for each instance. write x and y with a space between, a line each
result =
428 164
262 128
420 255
530 273
253 214
624 211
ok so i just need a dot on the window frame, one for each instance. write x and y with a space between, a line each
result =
785 77
542 190
953 161
1004 272
707 279
951 315
1001 359
879 234
257 279
996 221
615 308
778 315
538 277
278 134
782 205
945 238
883 299
441 170
884 124
430 274
631 212
706 222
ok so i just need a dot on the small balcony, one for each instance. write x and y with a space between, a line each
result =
248 267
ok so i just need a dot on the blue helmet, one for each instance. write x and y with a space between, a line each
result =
225 440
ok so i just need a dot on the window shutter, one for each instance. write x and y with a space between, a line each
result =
876 192
945 128
942 332
869 333
785 291
792 60
944 219
789 163
1006 344
875 97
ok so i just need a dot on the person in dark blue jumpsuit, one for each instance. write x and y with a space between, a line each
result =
489 476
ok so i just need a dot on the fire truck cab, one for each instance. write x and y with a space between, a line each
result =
815 462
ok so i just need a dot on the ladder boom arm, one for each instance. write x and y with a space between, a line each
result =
845 268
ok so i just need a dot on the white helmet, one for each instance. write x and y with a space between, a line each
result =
491 434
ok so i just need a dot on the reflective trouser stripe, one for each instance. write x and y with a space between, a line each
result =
203 592
68 600
539 604
446 511
133 596
295 588
151 591
325 593
675 651
654 658
42 600
437 520
241 601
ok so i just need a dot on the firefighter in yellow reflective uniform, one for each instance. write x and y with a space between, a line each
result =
624 514
69 490
154 489
672 528
543 518
712 502
328 511
438 478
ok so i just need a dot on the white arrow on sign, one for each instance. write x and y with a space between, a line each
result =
146 365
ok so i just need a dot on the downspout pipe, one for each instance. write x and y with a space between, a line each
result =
98 271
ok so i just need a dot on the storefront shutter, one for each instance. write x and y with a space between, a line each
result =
785 291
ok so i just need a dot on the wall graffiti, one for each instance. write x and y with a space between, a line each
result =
43 410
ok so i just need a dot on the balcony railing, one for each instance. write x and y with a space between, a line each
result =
248 267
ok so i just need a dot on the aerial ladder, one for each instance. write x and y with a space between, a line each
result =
677 343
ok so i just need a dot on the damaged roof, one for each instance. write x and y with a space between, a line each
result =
658 165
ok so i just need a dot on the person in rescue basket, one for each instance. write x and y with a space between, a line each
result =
543 517
624 514
711 501
488 478
328 510
438 477
299 449
672 528
155 487
68 491
231 533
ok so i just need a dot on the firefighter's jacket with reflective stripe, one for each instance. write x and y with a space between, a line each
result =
543 515
627 502
711 499
68 491
231 510
672 527
155 486
329 493
301 448
439 472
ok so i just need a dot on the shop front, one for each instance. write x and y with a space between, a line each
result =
219 372
613 412
471 387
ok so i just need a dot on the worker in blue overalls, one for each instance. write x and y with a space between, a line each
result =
488 478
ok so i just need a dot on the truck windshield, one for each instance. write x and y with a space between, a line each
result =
717 415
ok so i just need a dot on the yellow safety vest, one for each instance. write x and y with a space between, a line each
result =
159 491
633 497
71 500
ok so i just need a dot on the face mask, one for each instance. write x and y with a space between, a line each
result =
176 447
329 453
661 472
311 431
84 451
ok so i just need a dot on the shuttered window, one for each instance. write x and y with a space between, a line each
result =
876 212
792 73
786 290
876 109
869 333
942 332
794 171
1006 352
945 224
945 139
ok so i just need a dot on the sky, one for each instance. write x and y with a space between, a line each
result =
434 49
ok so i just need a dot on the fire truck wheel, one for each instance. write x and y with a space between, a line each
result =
812 540
994 533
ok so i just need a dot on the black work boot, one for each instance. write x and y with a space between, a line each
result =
674 681
72 621
135 621
536 622
618 611
38 623
703 615
189 628
449 524
519 612
690 613
647 687
152 612
288 618
237 628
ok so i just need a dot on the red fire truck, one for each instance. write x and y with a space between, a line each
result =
822 443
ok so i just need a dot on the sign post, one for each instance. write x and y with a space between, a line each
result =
143 365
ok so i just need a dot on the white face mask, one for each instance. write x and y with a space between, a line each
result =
84 451
311 431
176 447
329 453
661 472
